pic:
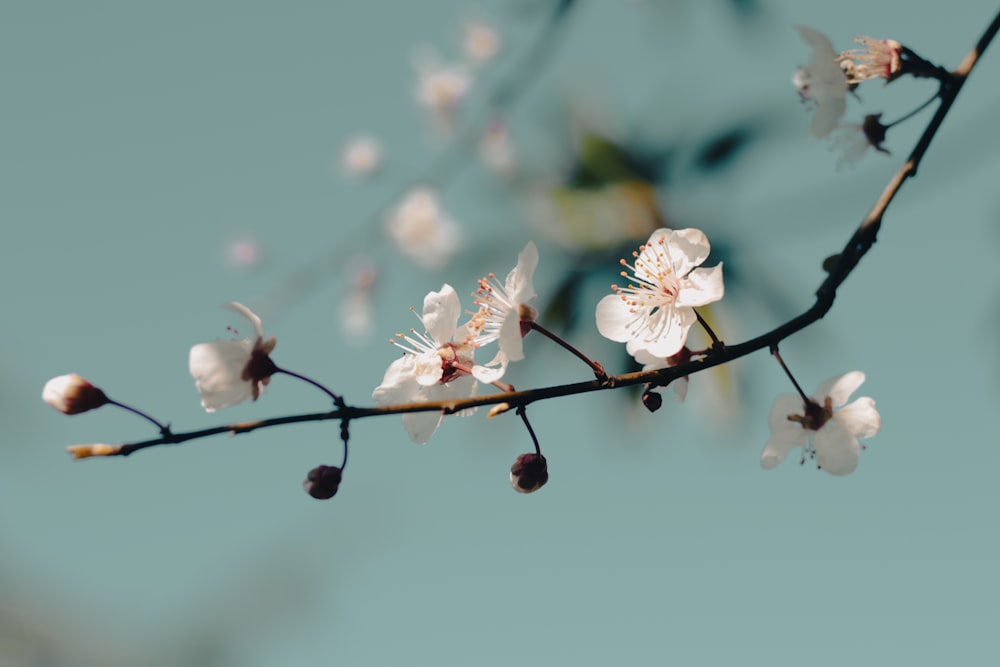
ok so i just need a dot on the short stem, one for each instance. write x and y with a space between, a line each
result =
777 355
913 113
534 439
343 464
337 399
716 343
165 430
595 366
921 68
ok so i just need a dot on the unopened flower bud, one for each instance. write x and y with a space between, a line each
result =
71 394
529 473
498 409
86 451
652 400
322 482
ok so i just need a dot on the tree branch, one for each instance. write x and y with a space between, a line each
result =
856 248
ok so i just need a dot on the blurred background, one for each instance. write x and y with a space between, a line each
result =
160 159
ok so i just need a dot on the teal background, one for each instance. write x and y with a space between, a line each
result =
138 138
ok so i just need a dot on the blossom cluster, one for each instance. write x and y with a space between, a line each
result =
438 364
823 84
652 314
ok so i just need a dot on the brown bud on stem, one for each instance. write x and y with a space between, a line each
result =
72 394
322 482
529 473
652 400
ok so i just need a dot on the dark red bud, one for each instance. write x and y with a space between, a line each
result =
652 400
322 482
529 473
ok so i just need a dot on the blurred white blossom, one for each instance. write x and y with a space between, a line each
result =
362 156
357 315
822 83
481 42
440 87
854 140
496 150
422 231
244 253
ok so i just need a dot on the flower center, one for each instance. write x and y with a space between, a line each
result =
652 296
454 363
656 284
816 415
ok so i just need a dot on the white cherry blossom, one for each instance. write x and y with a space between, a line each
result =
656 311
822 83
434 367
828 434
228 372
505 315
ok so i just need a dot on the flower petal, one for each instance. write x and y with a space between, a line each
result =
249 314
837 451
680 386
777 448
519 281
510 340
688 248
421 425
441 313
613 318
839 388
860 418
464 386
399 385
217 369
701 287
492 371
648 361
785 435
671 333
822 47
829 111
827 83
